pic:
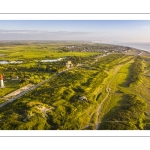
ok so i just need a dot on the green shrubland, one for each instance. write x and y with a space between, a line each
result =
56 105
128 116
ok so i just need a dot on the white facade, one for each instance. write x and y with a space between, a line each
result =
2 83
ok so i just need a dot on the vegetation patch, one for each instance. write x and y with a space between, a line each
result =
102 86
128 116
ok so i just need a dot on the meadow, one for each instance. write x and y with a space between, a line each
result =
38 51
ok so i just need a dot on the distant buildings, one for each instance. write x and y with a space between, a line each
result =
105 48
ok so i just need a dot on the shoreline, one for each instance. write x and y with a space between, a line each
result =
139 46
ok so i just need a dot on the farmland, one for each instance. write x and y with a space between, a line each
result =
107 88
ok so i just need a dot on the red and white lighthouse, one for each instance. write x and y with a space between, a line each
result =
1 81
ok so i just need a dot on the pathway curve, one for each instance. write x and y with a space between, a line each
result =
108 89
101 104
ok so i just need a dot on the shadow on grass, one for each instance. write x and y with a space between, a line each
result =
128 78
109 115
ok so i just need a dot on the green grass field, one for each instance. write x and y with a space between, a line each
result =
39 52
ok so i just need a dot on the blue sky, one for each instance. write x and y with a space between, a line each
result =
101 30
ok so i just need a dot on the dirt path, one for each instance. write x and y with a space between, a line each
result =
96 124
101 104
108 89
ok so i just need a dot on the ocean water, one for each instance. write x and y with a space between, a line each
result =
141 46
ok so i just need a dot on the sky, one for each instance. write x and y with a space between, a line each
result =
89 30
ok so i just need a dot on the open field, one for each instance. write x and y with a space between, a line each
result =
38 51
103 90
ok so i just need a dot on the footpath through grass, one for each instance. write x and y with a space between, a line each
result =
129 111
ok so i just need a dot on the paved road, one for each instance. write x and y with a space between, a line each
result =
30 89
33 87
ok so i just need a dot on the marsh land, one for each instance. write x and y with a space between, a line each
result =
64 85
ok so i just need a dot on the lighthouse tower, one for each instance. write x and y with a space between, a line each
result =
1 81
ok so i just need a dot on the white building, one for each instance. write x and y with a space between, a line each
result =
1 81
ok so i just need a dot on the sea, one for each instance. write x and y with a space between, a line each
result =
141 46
